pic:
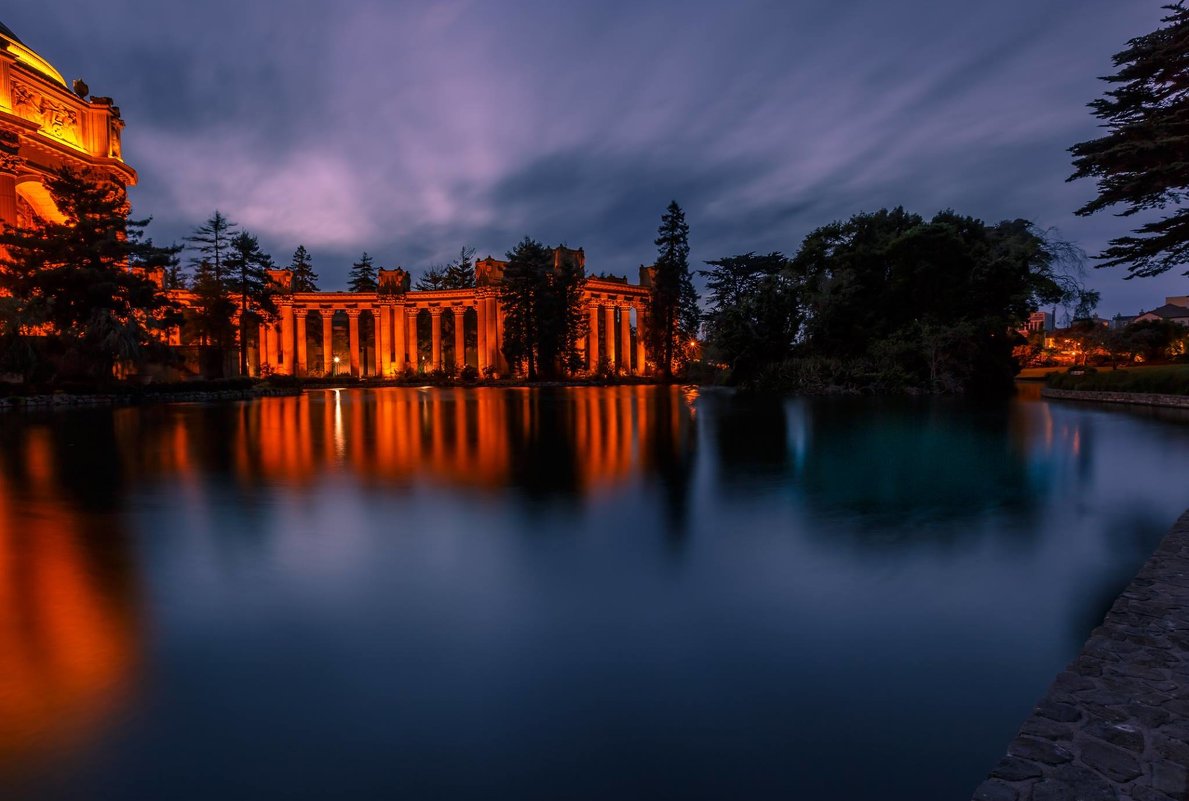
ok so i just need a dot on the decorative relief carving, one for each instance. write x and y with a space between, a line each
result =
56 119
26 216
11 164
114 148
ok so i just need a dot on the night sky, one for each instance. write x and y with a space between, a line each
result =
410 129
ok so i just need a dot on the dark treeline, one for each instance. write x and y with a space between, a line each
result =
885 301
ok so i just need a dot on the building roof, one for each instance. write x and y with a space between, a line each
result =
26 56
1170 311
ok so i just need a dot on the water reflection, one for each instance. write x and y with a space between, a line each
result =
70 617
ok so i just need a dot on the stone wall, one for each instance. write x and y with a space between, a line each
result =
1114 725
1138 398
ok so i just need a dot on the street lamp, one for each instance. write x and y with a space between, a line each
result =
335 370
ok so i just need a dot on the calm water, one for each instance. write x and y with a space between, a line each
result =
570 594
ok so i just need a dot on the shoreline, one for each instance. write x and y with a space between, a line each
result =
145 395
1132 398
1113 724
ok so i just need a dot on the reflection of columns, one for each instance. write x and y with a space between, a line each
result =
353 339
460 341
414 349
483 359
641 334
592 342
435 334
300 365
286 350
327 341
398 337
609 333
625 338
384 339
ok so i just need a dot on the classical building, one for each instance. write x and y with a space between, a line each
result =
394 331
45 125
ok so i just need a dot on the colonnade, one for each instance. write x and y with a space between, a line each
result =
391 344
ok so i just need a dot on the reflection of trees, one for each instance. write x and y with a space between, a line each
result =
892 466
69 596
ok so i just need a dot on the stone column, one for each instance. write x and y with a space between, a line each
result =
609 331
8 198
435 316
300 364
285 351
384 339
500 359
592 341
625 337
353 339
484 359
262 349
398 338
493 354
641 348
274 361
414 351
460 338
327 341
372 365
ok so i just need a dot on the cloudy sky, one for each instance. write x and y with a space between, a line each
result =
410 129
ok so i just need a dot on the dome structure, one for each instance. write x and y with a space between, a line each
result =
28 57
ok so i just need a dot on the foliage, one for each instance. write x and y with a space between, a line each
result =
1140 163
209 321
456 274
302 268
362 277
1170 380
755 312
1152 340
249 282
673 311
543 314
211 242
79 279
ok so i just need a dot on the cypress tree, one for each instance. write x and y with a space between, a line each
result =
1140 163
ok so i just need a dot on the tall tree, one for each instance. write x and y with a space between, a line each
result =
755 311
76 276
542 305
1140 163
363 275
210 320
673 310
211 242
302 268
456 274
249 282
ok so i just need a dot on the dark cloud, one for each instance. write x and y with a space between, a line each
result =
408 129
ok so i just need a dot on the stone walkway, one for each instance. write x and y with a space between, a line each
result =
1114 725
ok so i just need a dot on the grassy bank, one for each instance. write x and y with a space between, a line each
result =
1164 380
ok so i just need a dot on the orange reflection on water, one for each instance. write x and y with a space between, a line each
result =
69 625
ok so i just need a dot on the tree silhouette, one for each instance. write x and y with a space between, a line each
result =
304 277
363 275
248 267
1140 163
673 308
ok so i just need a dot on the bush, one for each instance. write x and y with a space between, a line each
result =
1171 380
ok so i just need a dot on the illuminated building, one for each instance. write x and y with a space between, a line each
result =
45 126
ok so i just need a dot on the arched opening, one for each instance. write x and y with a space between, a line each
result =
368 353
340 347
40 201
470 329
314 351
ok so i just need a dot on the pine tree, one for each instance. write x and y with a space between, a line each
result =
363 275
460 273
433 279
249 282
304 277
1140 163
673 309
542 305
211 242
75 276
210 318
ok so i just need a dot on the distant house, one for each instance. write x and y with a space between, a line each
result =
1171 311
1040 321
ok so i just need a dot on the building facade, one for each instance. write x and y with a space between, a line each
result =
44 126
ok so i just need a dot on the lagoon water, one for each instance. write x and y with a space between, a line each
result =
556 594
